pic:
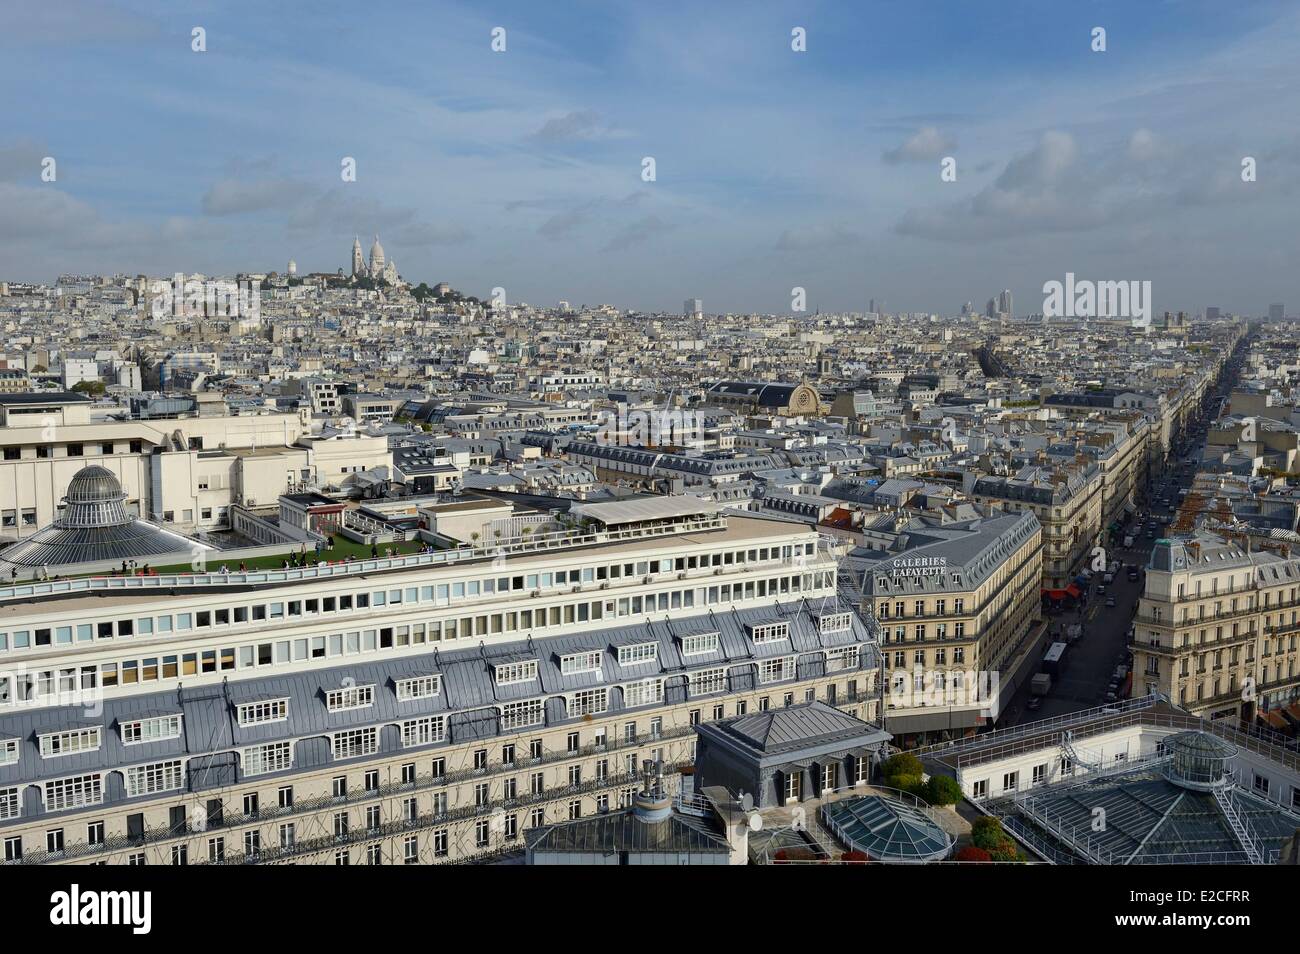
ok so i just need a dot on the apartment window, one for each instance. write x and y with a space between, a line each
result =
830 777
518 715
647 693
793 786
424 731
271 757
10 804
1010 781
638 654
770 632
838 660
70 742
350 697
589 702
508 673
699 644
835 622
288 835
74 792
180 855
576 663
355 743
154 729
775 670
216 850
410 850
151 779
419 687
440 843
706 681
258 713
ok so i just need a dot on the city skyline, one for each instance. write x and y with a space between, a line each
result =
523 168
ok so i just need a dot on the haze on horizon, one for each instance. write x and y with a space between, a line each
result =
774 168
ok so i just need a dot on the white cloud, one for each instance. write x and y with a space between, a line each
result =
925 144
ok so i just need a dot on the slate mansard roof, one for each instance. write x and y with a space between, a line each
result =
967 552
468 697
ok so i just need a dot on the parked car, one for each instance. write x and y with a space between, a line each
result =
1110 601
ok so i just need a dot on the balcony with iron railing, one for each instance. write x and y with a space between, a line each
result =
299 807
427 820
1188 619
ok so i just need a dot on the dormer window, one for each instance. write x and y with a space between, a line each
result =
638 654
834 623
699 644
263 711
514 672
71 742
153 729
350 697
576 663
418 687
769 632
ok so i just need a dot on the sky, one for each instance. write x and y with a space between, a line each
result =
774 169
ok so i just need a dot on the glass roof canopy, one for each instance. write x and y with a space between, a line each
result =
887 829
1150 819
94 527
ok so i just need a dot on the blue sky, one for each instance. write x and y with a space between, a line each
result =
774 169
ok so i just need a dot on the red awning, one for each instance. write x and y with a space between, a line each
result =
1074 591
1056 594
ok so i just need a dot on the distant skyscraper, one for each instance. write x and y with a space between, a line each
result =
293 268
1004 303
1275 311
1211 312
692 307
